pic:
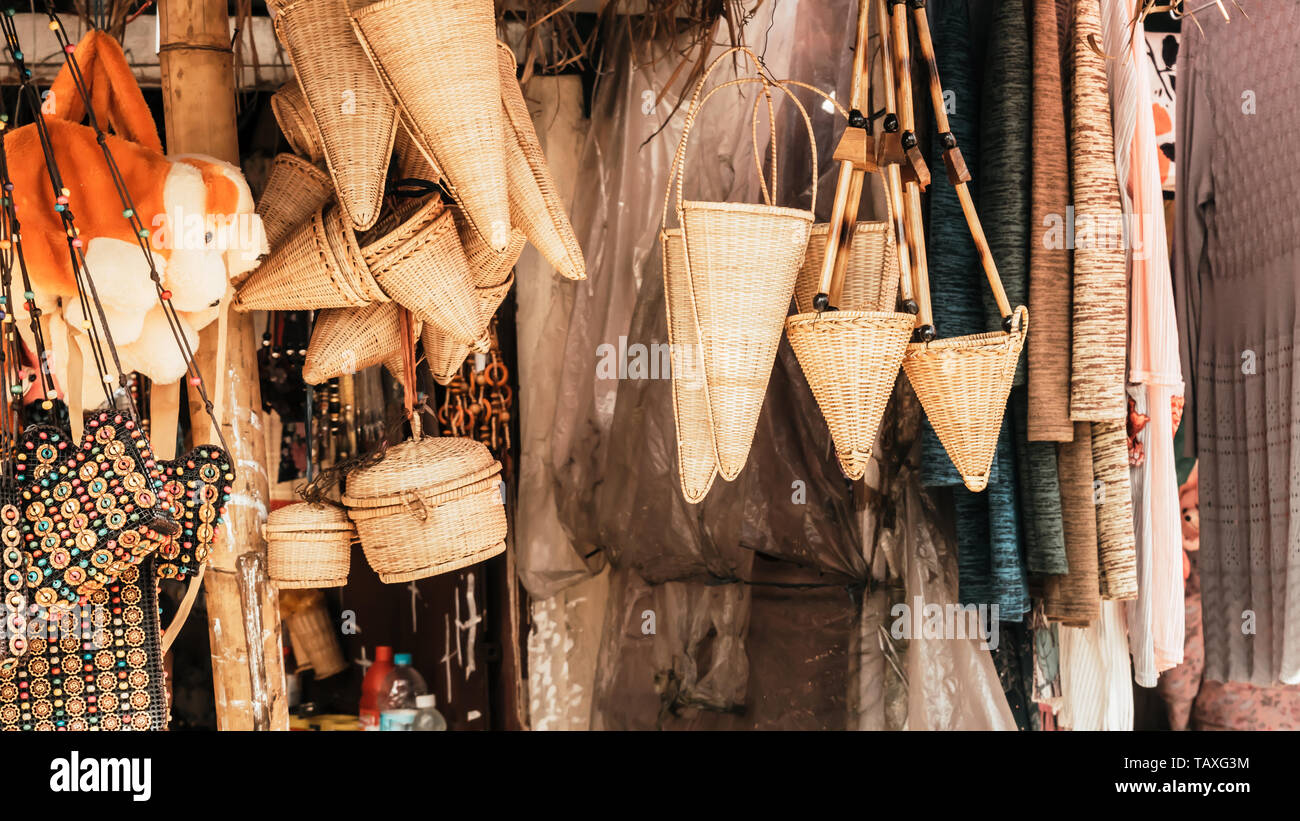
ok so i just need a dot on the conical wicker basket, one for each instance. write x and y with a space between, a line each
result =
294 116
422 264
851 359
309 545
438 60
741 263
487 267
870 277
697 464
444 355
431 505
346 340
411 163
312 268
963 383
353 111
535 204
295 189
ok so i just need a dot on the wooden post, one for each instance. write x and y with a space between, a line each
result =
198 83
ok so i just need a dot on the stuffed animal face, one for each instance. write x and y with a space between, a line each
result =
198 210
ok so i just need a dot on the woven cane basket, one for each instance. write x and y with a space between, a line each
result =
851 360
963 383
346 340
309 270
309 545
290 109
295 189
697 464
314 633
438 60
487 267
431 505
422 265
535 204
353 111
445 356
741 261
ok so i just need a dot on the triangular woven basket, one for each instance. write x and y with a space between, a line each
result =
295 189
352 109
963 384
316 266
535 204
697 464
741 263
345 340
445 355
439 61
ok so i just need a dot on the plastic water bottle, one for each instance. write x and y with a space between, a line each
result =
401 687
427 716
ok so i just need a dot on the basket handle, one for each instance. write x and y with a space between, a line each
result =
677 173
958 175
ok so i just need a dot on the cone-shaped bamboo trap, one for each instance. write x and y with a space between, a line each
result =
848 338
697 464
345 340
318 265
741 261
294 116
963 382
422 264
446 355
535 204
439 61
353 111
295 189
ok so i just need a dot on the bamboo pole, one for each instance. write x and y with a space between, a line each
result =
199 103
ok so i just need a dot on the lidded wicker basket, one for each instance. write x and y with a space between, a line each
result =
430 506
309 545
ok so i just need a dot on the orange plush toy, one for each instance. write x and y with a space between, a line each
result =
199 212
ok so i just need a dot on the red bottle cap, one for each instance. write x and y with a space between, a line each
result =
383 653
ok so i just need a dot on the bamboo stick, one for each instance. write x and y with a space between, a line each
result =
893 177
912 206
199 106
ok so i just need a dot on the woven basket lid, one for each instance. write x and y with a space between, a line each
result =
301 516
430 465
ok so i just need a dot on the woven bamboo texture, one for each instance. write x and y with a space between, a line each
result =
870 276
292 113
309 546
697 464
445 355
431 506
535 204
315 634
295 189
429 274
963 383
353 112
343 244
438 60
851 361
346 340
487 266
303 273
411 163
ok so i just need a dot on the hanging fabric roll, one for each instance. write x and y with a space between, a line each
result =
1075 598
1100 290
1049 258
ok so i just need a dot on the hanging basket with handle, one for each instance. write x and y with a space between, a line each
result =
309 545
848 338
738 266
963 382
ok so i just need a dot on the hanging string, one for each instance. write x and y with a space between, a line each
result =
139 231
